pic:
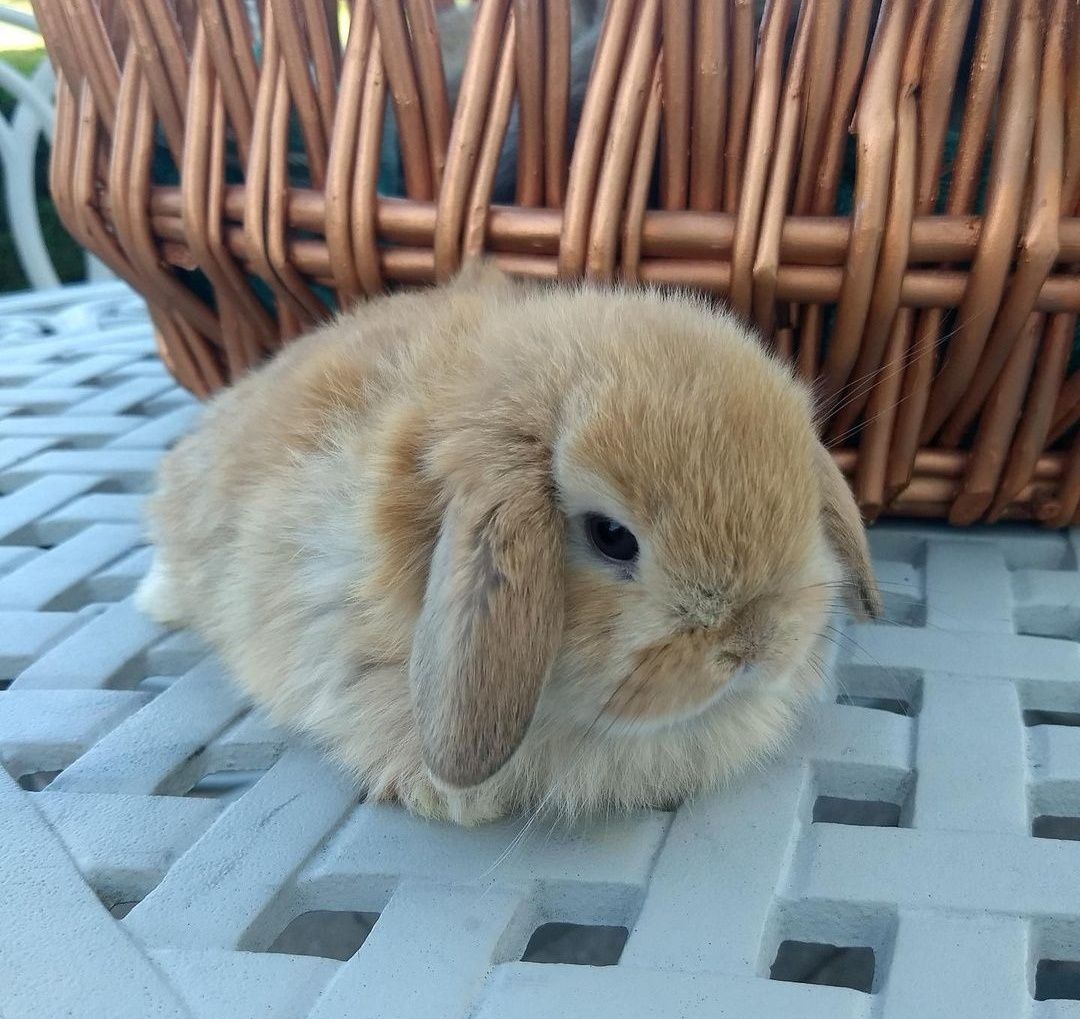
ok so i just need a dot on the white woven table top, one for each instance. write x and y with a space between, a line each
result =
164 852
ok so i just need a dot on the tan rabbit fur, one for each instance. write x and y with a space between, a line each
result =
384 534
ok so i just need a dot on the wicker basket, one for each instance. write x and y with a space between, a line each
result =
934 299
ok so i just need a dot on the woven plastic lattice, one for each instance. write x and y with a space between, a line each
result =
164 852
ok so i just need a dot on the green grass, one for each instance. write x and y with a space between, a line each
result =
67 255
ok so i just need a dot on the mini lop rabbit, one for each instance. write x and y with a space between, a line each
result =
498 546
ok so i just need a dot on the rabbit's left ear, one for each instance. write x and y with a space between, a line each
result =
489 628
845 531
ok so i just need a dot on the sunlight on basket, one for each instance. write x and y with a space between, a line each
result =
31 118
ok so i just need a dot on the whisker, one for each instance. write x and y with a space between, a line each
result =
854 643
868 380
901 366
818 667
885 371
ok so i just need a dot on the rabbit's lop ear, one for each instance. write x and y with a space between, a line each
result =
488 631
845 531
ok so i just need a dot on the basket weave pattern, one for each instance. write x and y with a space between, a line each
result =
937 316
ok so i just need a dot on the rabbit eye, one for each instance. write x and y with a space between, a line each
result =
611 539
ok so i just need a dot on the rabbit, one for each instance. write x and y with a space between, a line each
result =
454 25
455 28
503 546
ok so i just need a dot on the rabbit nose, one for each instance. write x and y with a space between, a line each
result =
741 649
750 654
751 631
731 660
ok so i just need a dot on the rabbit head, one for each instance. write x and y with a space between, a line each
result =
638 520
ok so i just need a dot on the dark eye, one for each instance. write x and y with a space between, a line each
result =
611 539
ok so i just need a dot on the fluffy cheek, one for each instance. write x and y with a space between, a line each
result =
619 661
671 680
592 656
792 665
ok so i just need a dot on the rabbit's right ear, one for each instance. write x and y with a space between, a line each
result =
844 528
489 628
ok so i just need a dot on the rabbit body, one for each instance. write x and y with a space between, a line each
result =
385 533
